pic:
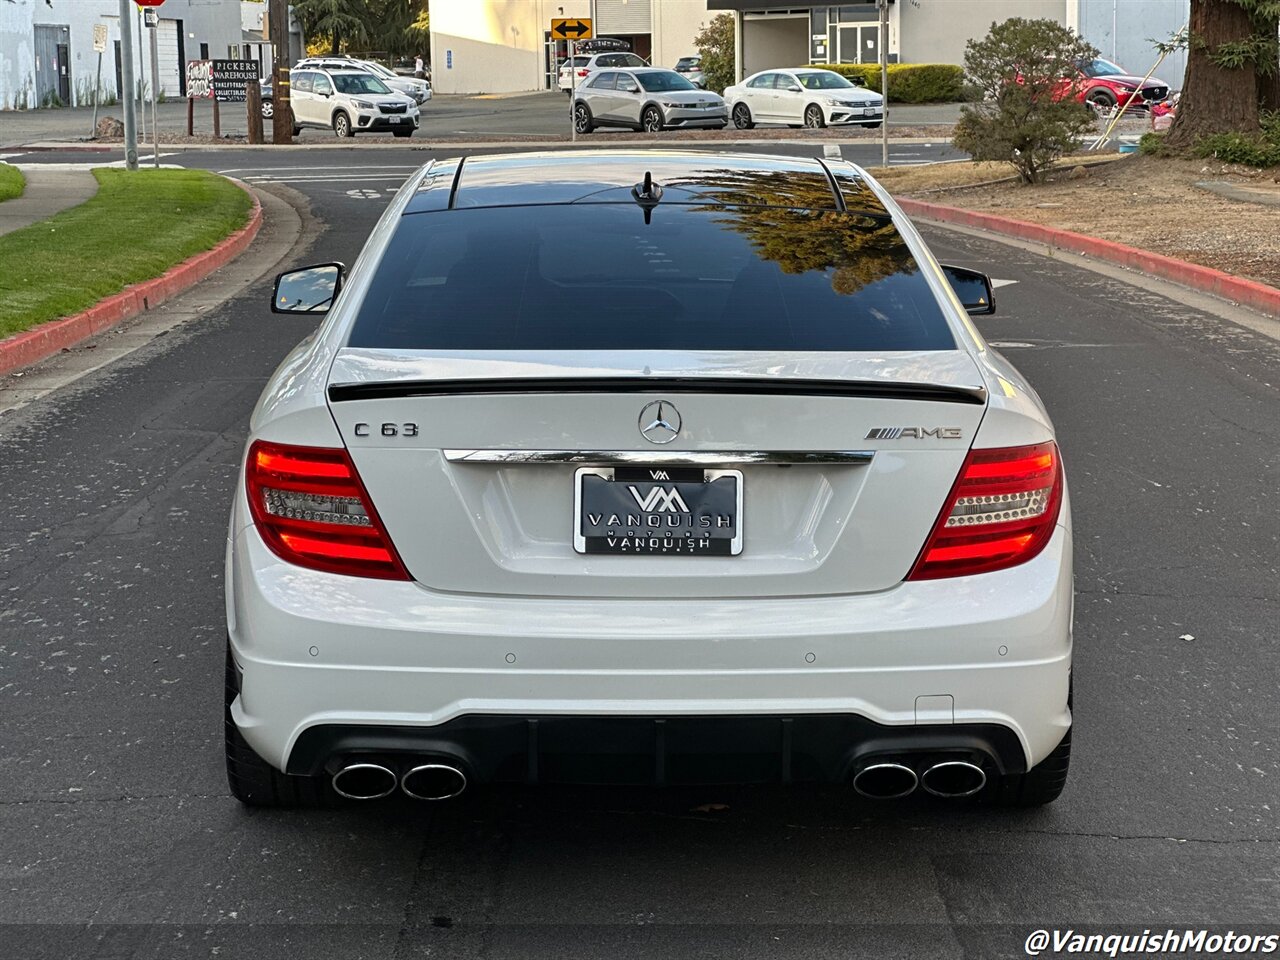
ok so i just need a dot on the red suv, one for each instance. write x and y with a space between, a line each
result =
1103 84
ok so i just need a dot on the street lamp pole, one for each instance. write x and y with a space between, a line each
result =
884 81
126 81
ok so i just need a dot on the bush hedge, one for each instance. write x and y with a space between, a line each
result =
908 82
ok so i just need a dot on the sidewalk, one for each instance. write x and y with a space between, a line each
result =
49 190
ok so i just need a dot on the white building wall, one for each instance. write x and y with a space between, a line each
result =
675 24
1122 30
935 31
493 46
498 46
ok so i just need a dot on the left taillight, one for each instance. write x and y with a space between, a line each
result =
1001 512
312 510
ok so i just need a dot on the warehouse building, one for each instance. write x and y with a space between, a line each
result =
500 46
47 56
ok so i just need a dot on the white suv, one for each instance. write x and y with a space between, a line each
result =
584 65
420 90
349 102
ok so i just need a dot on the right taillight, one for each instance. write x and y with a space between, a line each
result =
311 509
1001 512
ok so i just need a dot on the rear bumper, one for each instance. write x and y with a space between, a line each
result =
317 650
655 750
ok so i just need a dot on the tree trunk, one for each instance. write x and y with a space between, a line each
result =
1269 84
1215 99
337 43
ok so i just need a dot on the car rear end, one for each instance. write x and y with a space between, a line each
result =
755 506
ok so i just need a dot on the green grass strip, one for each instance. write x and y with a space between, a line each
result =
12 182
138 225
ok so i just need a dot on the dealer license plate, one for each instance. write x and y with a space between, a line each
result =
658 511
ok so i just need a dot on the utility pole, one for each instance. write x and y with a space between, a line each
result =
884 81
278 24
126 80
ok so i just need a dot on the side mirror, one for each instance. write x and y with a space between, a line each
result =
858 81
793 88
973 289
309 290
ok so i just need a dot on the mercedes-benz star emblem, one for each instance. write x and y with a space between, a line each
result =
660 422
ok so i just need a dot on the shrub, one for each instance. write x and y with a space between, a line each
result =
716 47
1015 72
1252 151
908 82
1152 144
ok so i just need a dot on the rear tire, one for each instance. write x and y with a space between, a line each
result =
252 780
296 131
742 117
268 109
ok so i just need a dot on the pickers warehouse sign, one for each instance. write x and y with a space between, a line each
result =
221 80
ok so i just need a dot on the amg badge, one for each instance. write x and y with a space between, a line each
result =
913 433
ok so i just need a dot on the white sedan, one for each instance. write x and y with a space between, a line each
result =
700 503
810 97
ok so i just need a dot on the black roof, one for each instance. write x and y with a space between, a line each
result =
604 176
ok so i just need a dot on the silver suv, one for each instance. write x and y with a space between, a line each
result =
646 98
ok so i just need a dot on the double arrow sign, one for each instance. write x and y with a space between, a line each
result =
571 29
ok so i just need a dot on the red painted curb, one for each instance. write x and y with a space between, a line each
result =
34 345
1248 293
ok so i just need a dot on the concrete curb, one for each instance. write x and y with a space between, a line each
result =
1246 293
34 345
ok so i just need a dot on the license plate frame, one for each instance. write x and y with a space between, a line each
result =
653 476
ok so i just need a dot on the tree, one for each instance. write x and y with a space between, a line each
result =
1231 67
1024 114
337 20
716 47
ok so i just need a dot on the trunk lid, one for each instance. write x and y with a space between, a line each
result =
428 434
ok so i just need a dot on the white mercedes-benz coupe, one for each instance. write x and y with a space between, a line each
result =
730 490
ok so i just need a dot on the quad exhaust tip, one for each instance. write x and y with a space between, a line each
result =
364 781
953 778
433 781
885 781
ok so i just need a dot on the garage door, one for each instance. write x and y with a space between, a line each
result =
167 52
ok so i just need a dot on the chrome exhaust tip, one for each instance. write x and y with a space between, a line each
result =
364 781
885 781
953 778
433 781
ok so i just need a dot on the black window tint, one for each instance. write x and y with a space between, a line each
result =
695 277
609 60
603 81
301 81
666 80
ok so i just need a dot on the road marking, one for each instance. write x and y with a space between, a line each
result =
327 169
997 284
373 179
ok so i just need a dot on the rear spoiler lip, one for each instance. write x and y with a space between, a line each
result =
889 390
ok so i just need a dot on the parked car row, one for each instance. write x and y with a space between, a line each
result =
350 96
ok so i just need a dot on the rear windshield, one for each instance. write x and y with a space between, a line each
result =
596 276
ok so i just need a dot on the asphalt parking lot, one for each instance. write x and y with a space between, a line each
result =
118 837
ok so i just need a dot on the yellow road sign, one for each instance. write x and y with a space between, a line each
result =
570 28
